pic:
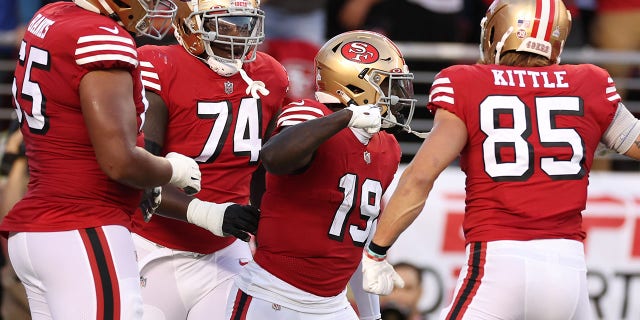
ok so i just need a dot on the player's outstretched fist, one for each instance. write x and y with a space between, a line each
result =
366 117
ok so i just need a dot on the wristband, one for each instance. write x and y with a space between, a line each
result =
208 215
377 252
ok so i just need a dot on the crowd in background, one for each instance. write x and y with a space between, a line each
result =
296 29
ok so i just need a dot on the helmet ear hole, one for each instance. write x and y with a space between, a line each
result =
185 27
121 4
492 34
354 89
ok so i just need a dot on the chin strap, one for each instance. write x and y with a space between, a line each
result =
230 69
254 86
421 135
225 69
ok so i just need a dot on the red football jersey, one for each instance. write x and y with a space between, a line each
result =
214 121
67 188
532 133
313 225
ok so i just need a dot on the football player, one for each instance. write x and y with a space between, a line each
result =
327 167
215 98
79 98
526 129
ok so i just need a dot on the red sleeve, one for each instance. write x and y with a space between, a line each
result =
150 68
443 93
104 47
300 111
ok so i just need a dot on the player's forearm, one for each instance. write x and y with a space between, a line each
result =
174 203
405 204
137 168
293 147
395 219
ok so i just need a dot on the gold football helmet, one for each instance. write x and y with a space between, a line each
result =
227 31
151 18
364 67
536 26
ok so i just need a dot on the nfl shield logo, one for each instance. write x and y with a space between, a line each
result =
228 87
367 157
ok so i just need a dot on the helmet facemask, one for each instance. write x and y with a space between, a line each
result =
230 36
157 22
396 92
151 18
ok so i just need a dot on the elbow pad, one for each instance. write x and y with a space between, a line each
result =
623 130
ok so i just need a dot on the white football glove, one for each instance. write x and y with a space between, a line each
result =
208 215
378 276
186 173
365 117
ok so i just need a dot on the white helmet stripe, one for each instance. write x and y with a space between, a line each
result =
545 13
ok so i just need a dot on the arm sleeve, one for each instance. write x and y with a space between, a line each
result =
368 304
623 130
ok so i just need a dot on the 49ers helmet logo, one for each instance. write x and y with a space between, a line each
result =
360 52
240 3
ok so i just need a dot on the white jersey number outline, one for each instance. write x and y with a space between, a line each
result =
547 108
247 140
37 119
370 197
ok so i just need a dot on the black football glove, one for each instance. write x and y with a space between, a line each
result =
241 221
150 202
